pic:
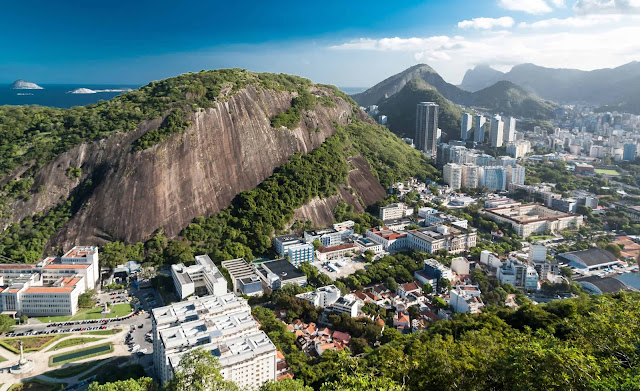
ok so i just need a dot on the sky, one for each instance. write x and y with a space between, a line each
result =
347 43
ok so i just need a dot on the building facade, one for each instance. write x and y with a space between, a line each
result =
426 138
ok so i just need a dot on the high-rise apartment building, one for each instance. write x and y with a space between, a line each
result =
471 176
452 174
515 174
427 127
466 126
629 153
509 133
478 135
497 129
495 178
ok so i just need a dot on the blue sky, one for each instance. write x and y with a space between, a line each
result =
347 43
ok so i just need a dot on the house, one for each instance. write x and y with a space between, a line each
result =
401 320
405 289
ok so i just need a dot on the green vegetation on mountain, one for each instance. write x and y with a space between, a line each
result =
400 110
35 135
506 97
173 123
291 118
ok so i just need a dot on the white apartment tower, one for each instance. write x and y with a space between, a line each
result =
496 133
452 174
479 129
426 138
509 134
466 126
472 176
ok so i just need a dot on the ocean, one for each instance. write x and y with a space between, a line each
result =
57 95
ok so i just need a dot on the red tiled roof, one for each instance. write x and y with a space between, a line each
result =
338 248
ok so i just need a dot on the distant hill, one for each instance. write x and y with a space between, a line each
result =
24 85
615 87
400 109
395 83
508 98
482 76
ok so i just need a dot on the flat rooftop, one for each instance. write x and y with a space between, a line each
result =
283 269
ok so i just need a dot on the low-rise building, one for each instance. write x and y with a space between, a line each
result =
393 211
431 239
389 239
202 277
532 219
335 252
490 259
322 297
460 265
466 299
326 236
519 275
279 272
591 259
367 244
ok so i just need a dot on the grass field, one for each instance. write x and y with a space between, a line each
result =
37 385
30 344
539 237
103 332
81 354
73 370
120 309
120 368
74 342
604 171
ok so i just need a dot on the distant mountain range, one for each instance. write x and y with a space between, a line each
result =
398 95
613 87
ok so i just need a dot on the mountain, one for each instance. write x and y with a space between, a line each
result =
482 76
24 85
213 144
395 83
616 87
506 99
400 109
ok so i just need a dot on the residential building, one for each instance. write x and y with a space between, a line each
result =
392 211
222 325
478 135
280 243
426 127
495 178
496 132
299 253
466 126
431 239
630 152
568 205
585 198
460 265
519 275
531 219
515 174
347 304
466 299
509 131
494 203
366 244
471 176
537 252
202 277
490 259
322 297
437 269
452 175
439 218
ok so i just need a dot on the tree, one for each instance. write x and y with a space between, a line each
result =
85 300
444 285
566 272
614 249
142 384
427 289
316 244
6 323
391 284
285 385
199 370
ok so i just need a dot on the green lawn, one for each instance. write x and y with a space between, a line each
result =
605 171
533 238
30 344
117 369
120 309
103 332
72 370
81 354
74 342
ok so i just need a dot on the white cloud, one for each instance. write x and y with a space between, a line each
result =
529 6
558 3
607 6
486 23
559 48
571 22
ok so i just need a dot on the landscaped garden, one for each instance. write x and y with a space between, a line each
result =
74 342
73 370
81 354
29 344
37 385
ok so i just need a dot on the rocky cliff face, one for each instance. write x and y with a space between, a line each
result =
228 148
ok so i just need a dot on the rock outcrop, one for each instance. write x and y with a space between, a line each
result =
227 149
